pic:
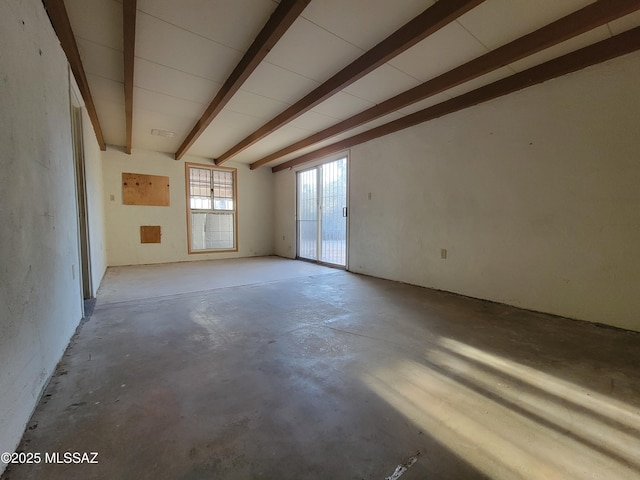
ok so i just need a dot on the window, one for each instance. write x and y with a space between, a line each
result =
212 209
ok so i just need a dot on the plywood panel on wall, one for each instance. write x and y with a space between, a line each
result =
140 189
150 234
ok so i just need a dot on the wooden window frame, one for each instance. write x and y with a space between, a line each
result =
212 167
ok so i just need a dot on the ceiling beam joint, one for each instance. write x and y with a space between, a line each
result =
61 25
576 23
129 34
428 22
613 47
279 22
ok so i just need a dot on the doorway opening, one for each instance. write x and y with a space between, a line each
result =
322 213
81 197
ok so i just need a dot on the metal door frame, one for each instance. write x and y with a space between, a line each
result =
318 167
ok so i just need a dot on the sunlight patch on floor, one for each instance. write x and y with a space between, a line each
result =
511 421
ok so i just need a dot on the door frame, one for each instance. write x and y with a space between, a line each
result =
82 212
311 166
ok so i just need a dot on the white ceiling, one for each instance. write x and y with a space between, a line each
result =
186 49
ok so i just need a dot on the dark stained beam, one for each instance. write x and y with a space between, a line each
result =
591 16
60 21
279 22
599 52
129 31
416 30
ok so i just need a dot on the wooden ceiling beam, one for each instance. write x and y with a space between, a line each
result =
581 21
129 32
616 46
60 22
279 22
431 20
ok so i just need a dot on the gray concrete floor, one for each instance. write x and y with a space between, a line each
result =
145 281
327 374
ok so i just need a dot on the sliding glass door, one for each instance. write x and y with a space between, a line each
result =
322 213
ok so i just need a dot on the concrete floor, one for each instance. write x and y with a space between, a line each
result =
327 374
144 281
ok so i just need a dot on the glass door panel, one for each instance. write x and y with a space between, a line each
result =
308 214
322 213
333 239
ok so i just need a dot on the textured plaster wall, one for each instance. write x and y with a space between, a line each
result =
40 293
534 196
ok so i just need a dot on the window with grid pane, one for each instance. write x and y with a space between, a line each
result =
212 208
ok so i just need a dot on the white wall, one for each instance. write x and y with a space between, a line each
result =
255 211
40 293
534 195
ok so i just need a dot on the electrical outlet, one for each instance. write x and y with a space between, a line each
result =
369 195
443 253
112 198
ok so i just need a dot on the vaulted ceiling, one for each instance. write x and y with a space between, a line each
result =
263 82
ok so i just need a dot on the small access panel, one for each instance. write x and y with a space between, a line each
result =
150 234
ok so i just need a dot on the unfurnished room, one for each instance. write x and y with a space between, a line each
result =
349 239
